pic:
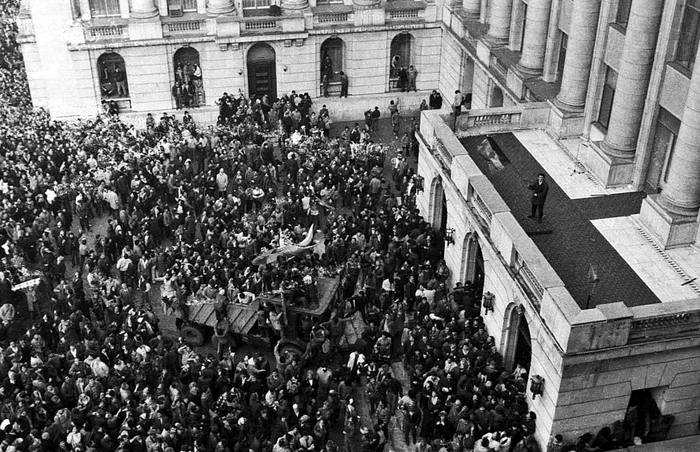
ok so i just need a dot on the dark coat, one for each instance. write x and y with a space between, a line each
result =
539 192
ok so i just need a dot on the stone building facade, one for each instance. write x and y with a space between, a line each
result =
75 49
614 84
612 81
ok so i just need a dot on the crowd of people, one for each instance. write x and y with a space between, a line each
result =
189 209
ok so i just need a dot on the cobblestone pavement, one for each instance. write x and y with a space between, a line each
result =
566 237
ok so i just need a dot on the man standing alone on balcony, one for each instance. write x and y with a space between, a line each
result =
539 196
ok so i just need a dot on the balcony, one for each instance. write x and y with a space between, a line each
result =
260 25
402 11
105 32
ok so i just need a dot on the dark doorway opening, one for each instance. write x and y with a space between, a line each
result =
262 71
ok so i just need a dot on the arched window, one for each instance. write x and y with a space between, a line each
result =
401 58
332 58
188 72
114 83
262 71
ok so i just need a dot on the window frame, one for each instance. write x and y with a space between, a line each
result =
257 4
622 17
609 86
688 42
105 5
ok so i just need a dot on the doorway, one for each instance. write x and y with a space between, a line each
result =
262 71
496 97
523 341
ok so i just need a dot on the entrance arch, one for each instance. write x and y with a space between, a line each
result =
472 260
332 58
262 71
496 97
517 342
113 79
189 72
438 205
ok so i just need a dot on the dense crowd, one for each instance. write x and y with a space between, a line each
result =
190 210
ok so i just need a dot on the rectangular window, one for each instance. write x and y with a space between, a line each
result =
562 54
667 127
104 8
606 101
189 6
623 13
690 34
256 4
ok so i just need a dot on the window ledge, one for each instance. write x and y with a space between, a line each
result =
683 70
619 27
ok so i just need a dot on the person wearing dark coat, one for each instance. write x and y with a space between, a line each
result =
539 196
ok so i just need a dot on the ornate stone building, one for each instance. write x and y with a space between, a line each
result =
600 301
76 49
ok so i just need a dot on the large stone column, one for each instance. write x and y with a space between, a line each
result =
499 22
472 9
681 195
220 7
579 55
143 9
295 4
633 78
365 3
535 37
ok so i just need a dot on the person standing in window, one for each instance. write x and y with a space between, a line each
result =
197 79
395 65
327 67
412 76
457 105
325 81
120 79
344 82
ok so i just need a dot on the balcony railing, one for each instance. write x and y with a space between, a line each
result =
678 324
178 28
503 119
329 18
105 32
400 14
259 25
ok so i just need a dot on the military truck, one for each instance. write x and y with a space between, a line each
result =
241 320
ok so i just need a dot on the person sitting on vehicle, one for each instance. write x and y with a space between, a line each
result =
383 347
245 298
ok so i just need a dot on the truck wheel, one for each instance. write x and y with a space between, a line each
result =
192 336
